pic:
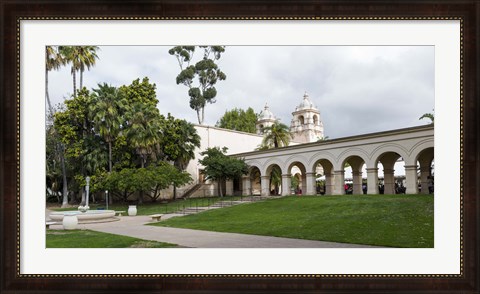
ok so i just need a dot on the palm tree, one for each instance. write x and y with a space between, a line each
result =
80 57
430 116
276 135
179 143
189 140
87 57
143 132
143 129
276 179
53 61
107 109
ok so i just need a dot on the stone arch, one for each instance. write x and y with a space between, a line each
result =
272 180
384 148
301 172
301 119
253 182
425 159
390 185
322 155
271 161
356 164
417 149
324 185
347 153
315 119
295 158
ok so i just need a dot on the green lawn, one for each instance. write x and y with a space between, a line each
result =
158 207
384 220
92 239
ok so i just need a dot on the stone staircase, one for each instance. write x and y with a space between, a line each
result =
225 203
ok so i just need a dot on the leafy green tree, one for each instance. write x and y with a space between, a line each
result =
180 139
138 91
53 168
201 77
220 167
294 182
142 119
276 135
167 175
239 120
150 179
75 131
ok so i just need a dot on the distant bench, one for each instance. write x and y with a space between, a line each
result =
119 212
48 224
156 217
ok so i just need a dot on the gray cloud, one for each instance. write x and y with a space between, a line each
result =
357 89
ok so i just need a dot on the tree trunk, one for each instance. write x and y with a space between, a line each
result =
140 195
109 156
46 93
81 79
203 114
174 192
64 178
72 197
220 184
198 117
74 74
60 149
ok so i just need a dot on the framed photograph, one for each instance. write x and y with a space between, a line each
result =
448 31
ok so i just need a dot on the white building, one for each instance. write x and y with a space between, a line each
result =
306 125
307 129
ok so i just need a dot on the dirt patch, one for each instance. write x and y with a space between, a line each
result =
144 244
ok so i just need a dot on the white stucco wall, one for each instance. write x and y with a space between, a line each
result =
236 142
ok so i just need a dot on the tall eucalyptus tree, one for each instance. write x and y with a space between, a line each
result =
201 77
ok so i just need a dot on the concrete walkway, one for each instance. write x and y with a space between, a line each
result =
134 226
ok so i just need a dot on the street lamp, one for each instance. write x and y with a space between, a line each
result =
106 198
87 189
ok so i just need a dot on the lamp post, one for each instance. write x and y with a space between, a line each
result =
106 198
87 189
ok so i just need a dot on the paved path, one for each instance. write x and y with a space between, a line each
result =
134 226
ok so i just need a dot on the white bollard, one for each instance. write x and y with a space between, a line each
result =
69 222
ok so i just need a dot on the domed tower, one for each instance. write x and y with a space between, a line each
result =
265 119
306 124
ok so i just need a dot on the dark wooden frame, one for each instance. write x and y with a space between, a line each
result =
467 11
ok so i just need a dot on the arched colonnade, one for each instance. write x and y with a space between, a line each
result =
414 146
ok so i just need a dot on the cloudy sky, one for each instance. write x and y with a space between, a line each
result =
358 89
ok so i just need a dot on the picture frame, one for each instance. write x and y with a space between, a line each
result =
12 12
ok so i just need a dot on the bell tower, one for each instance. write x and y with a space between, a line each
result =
265 119
306 125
